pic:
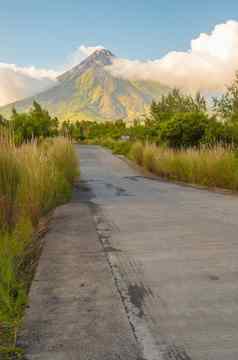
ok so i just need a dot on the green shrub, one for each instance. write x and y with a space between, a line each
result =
184 129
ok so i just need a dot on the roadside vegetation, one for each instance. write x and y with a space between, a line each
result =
215 167
181 139
35 177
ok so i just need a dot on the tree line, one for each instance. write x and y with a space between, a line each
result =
176 120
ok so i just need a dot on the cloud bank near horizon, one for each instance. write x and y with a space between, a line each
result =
18 82
208 65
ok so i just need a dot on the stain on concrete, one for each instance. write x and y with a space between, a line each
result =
137 178
137 294
214 277
119 191
132 178
176 353
111 249
82 192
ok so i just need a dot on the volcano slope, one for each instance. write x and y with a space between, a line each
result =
89 92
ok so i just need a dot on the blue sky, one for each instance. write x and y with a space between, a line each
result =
43 33
193 45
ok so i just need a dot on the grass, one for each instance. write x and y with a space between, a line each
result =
215 167
34 179
119 147
212 167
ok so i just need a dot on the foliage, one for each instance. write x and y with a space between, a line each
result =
175 102
37 123
212 167
184 129
227 105
117 147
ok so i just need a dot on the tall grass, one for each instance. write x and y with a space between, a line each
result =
211 167
34 178
118 147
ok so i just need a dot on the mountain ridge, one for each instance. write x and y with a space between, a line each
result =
88 91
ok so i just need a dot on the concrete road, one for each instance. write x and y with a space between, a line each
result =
135 269
75 311
173 253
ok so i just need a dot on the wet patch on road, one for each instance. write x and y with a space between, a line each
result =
176 353
118 190
111 249
137 294
214 277
132 178
82 192
137 178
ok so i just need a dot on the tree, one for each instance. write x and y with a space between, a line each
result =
37 123
67 129
176 102
227 105
184 129
42 123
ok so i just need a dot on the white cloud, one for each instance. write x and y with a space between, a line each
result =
209 64
19 82
80 54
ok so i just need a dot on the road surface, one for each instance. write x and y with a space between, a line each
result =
162 270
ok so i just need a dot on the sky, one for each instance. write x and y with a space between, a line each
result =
46 35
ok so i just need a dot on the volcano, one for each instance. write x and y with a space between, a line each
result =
90 92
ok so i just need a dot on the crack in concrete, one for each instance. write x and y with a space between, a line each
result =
140 331
132 297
